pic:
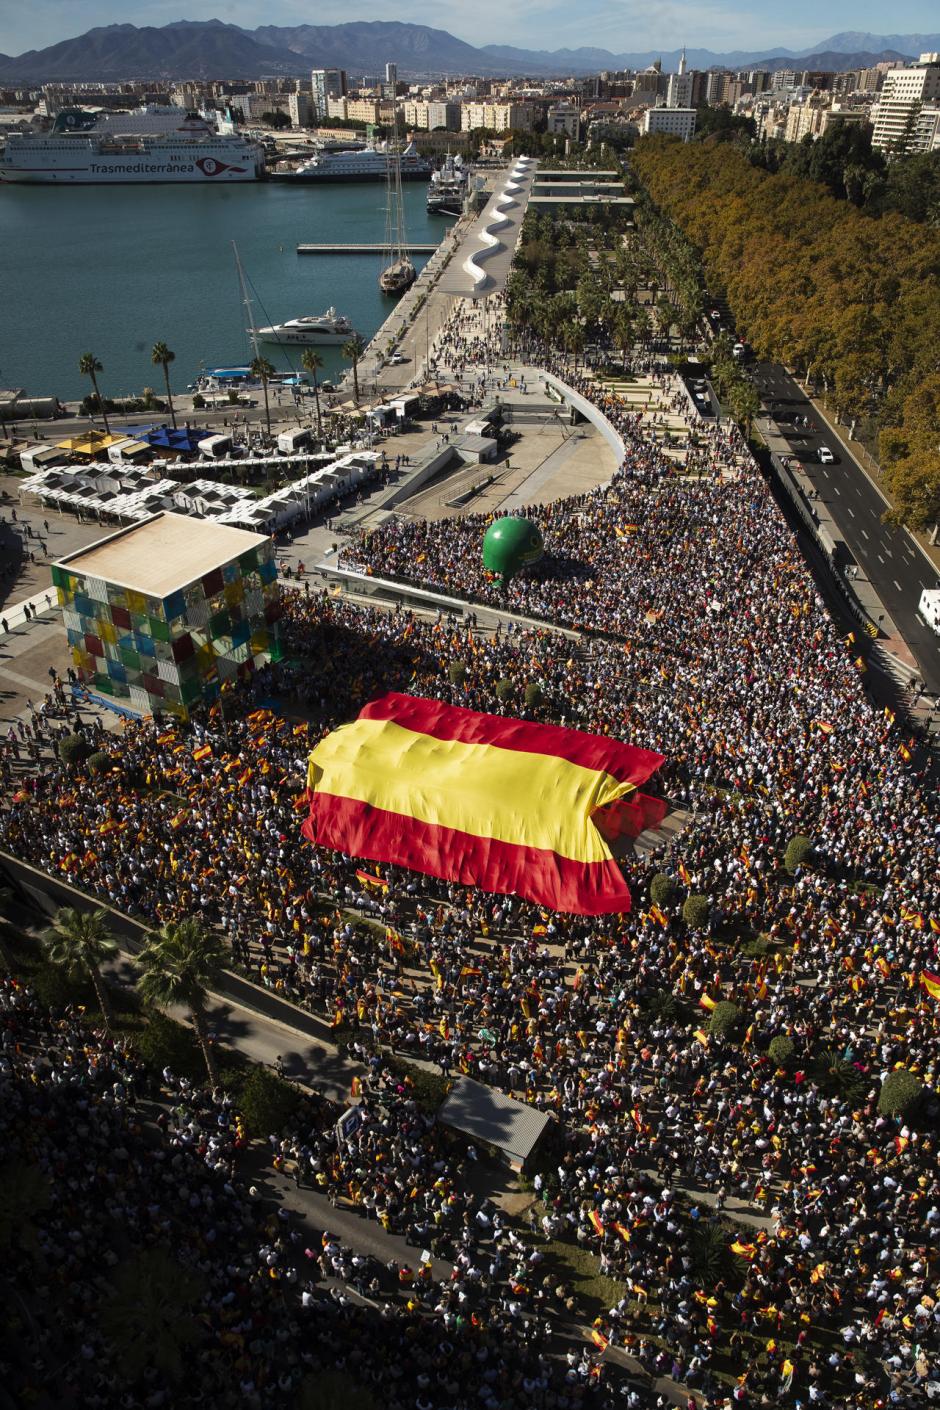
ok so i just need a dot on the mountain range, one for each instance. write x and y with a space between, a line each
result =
213 49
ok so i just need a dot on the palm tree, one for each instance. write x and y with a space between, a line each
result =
745 403
80 942
261 368
180 962
624 331
312 362
573 340
161 356
149 1316
89 366
353 348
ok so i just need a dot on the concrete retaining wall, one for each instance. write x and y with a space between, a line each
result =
588 410
42 895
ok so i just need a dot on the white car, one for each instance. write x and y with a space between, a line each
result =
826 456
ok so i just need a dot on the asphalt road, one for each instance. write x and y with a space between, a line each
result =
889 556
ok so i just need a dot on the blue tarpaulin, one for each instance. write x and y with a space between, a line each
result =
184 440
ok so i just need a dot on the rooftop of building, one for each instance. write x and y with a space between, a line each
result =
163 554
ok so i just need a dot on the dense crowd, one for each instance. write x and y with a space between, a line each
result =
142 1272
701 635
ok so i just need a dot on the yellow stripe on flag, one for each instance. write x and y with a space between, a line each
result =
931 983
418 776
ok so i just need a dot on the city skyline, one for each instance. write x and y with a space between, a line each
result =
539 24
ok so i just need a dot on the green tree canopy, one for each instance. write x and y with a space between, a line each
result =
148 1317
79 943
179 964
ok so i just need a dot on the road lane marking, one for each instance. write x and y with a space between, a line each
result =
896 584
879 557
864 533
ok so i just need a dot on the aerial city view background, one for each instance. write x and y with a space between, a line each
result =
469 706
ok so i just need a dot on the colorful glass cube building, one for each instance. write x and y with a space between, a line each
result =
161 614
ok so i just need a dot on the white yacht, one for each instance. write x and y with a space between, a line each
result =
369 164
152 144
447 192
329 327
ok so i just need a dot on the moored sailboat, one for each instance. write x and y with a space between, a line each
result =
399 273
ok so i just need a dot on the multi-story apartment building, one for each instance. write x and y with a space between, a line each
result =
928 129
497 117
326 84
424 116
735 90
906 91
443 115
869 80
716 85
563 120
674 122
301 109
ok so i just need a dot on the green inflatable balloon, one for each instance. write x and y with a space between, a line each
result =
511 544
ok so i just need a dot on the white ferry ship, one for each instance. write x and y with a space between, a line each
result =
368 164
151 144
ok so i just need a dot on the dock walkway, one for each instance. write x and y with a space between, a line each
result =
373 249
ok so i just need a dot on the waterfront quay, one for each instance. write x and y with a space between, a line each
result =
371 249
450 274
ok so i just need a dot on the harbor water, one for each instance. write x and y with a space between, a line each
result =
114 269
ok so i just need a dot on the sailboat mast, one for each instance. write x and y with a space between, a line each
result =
399 273
246 301
399 205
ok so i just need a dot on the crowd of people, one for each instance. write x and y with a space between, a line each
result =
140 1270
761 1218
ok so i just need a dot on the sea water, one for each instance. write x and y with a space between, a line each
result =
114 269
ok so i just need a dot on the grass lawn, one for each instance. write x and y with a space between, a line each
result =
579 1267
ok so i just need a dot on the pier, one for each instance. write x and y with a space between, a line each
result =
375 249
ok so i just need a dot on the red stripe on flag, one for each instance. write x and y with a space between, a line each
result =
562 884
624 762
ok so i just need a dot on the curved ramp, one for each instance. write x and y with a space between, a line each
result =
503 214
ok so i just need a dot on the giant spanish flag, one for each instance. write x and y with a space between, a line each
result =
502 804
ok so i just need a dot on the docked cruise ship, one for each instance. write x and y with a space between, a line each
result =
151 144
368 164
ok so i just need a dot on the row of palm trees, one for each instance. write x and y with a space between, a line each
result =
178 964
161 356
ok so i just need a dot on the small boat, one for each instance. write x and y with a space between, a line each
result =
398 276
329 327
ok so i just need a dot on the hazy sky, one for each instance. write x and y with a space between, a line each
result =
619 25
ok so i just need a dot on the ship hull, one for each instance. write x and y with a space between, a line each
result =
303 340
104 170
312 178
25 177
